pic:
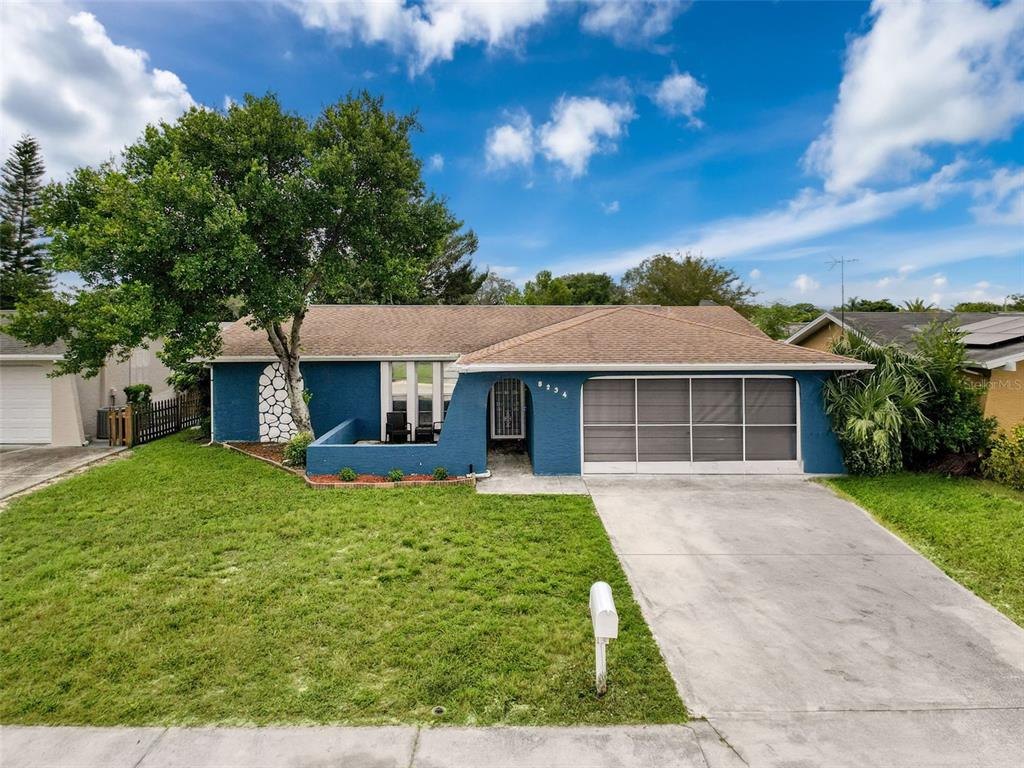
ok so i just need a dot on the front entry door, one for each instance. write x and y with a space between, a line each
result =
508 410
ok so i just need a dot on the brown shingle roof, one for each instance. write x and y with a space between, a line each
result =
507 336
391 331
645 336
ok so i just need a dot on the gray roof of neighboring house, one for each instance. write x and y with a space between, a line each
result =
991 335
10 346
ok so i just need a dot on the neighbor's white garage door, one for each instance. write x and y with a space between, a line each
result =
25 404
705 424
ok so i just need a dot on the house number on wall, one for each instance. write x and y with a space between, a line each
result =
547 387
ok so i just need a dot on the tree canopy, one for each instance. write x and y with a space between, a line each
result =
497 290
24 273
1014 303
685 280
776 319
253 205
856 304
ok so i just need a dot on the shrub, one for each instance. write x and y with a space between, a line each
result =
395 475
440 473
874 411
1005 462
956 422
347 474
138 394
295 449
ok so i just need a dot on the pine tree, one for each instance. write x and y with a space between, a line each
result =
23 271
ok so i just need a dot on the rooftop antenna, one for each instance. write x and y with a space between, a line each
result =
841 263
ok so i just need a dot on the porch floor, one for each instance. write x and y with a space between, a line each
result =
512 473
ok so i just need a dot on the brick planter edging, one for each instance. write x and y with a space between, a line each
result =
467 480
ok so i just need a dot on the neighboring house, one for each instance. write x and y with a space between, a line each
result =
37 409
994 342
579 388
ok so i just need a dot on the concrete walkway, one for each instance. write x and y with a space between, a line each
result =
691 746
24 467
511 472
807 634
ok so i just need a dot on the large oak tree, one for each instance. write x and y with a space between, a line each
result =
255 206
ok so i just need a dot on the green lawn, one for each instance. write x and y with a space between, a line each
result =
972 529
190 584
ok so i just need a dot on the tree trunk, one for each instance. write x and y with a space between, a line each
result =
286 347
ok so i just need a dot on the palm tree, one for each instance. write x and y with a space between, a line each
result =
918 305
873 410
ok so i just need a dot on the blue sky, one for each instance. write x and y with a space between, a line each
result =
586 136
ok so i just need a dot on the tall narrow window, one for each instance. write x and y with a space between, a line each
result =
448 380
399 388
425 392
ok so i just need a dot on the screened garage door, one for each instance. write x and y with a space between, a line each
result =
690 425
25 404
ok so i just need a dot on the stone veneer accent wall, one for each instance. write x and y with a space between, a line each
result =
276 425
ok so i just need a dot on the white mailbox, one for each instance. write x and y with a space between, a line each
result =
606 627
602 612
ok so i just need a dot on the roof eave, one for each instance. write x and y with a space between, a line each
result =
26 358
696 367
999 362
443 357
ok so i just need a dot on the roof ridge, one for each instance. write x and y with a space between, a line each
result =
546 330
642 307
735 333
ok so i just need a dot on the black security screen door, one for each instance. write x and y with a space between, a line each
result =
508 410
683 424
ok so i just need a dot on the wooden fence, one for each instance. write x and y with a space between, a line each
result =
140 423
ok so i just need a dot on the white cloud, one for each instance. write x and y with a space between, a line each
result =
84 97
581 127
813 214
884 282
805 284
510 144
504 271
681 95
435 162
631 23
427 32
610 208
983 285
939 280
798 230
924 74
1001 199
755 274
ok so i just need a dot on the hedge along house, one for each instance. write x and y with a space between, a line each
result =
581 389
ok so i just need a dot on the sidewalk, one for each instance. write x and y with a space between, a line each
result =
695 745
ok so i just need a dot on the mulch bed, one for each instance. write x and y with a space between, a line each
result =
273 453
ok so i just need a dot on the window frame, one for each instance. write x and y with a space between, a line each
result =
412 388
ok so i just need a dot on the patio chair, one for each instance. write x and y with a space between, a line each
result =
428 432
396 428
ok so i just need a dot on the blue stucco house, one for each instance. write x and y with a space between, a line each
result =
580 389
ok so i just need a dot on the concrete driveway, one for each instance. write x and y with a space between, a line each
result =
807 634
25 466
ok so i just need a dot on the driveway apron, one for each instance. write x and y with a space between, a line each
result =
808 634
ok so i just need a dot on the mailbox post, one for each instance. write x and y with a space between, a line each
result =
606 627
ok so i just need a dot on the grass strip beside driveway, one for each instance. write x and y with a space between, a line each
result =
192 585
972 529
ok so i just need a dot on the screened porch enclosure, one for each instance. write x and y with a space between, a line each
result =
690 424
